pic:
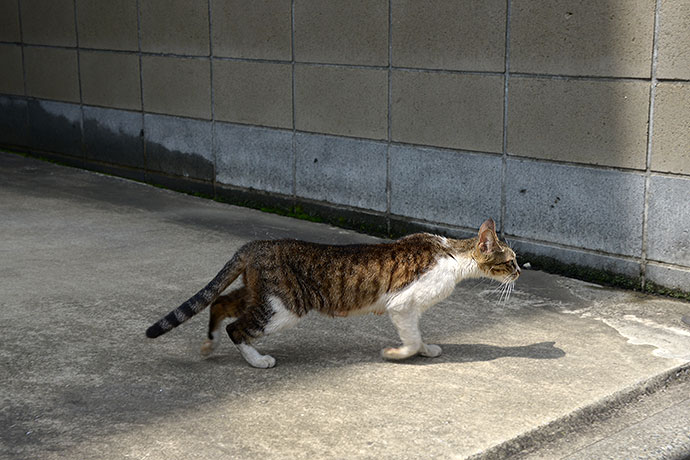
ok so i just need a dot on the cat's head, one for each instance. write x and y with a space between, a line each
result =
495 258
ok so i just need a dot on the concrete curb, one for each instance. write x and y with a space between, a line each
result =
575 421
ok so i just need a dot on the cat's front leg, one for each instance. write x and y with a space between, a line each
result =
406 321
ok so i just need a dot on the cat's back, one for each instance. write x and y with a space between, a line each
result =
337 279
417 250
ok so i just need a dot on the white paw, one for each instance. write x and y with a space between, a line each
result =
396 353
207 347
388 353
430 351
263 362
254 358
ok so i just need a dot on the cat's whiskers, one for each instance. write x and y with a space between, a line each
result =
507 286
504 293
479 282
503 290
496 290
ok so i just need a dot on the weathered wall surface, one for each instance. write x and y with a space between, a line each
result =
568 122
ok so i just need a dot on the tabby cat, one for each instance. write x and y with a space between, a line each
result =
286 279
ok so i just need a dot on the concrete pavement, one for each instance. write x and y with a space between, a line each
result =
88 261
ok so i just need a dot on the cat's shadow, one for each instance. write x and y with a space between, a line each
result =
478 352
451 353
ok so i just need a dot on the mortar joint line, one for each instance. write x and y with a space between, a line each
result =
389 137
82 144
568 77
214 151
21 39
571 247
525 75
504 146
141 91
27 120
293 97
648 157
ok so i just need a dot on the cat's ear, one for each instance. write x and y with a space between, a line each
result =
487 236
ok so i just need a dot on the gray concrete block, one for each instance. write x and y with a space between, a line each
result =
337 32
406 226
668 220
575 206
595 122
110 79
48 22
175 26
113 136
252 29
108 25
256 93
177 86
9 21
256 158
671 136
342 101
14 126
674 36
444 186
55 127
451 35
340 170
574 256
673 277
356 219
52 73
582 38
448 110
179 146
11 70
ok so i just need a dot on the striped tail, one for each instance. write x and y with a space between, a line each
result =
200 300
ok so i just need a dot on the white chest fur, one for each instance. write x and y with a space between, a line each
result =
433 286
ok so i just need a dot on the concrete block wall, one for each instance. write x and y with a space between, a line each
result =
567 122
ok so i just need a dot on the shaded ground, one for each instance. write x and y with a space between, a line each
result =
87 262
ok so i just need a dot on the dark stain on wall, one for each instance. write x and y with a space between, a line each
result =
185 164
54 132
120 143
14 123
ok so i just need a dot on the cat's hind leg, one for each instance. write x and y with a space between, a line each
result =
258 321
226 306
406 321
